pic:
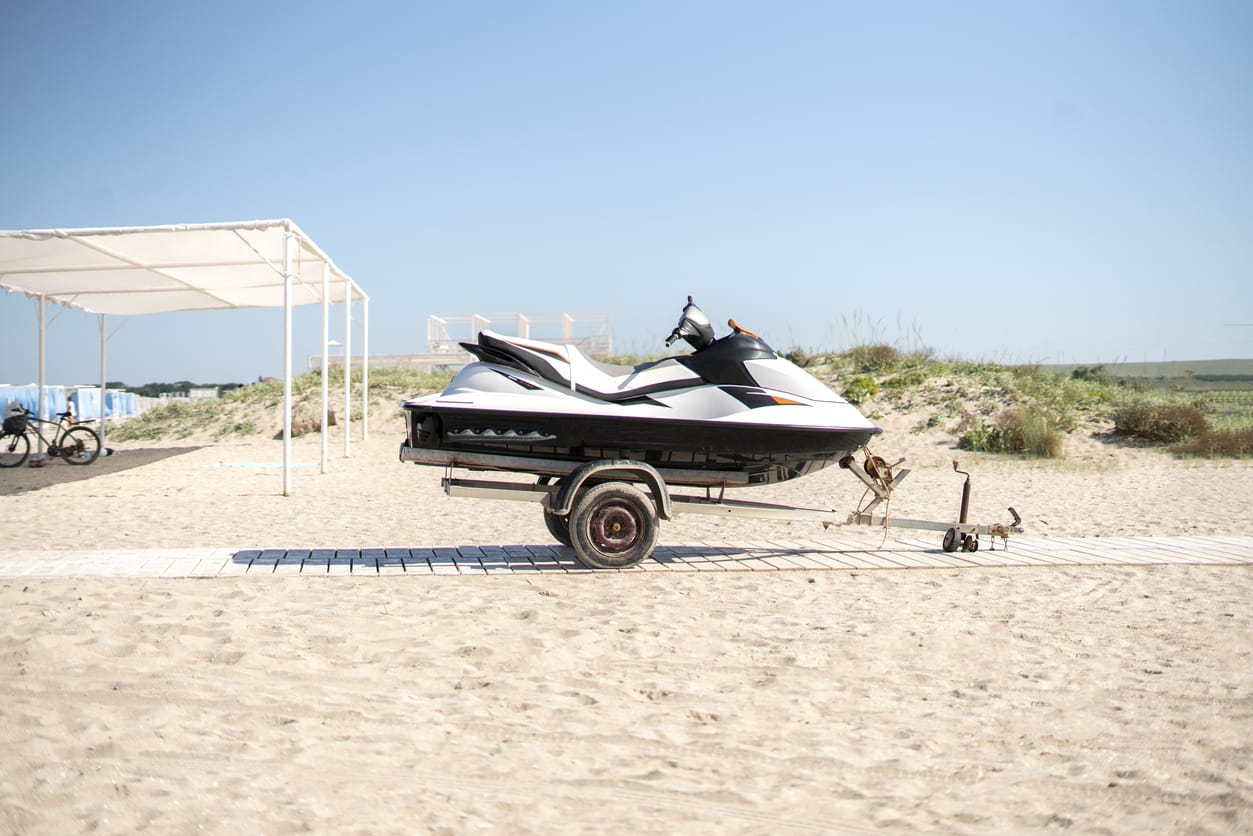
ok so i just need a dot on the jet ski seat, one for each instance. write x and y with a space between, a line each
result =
606 381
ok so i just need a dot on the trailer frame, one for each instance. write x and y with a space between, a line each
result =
621 528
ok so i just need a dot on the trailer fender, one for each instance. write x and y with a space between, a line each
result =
561 502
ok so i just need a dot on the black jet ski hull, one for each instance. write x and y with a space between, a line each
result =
757 453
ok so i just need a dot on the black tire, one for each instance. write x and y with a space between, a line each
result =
558 527
951 540
14 448
79 445
613 526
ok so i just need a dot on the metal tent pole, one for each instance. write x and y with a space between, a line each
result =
104 344
39 396
365 368
347 369
287 263
326 350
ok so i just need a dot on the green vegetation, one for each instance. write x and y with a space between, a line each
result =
1158 421
1227 409
861 388
1028 431
1237 444
176 418
257 408
1029 409
874 359
1171 375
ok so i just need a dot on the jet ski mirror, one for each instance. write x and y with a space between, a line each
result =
693 326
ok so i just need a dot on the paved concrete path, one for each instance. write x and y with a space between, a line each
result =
774 556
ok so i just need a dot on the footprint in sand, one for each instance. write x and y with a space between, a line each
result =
225 657
471 651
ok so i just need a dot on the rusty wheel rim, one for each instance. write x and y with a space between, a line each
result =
615 527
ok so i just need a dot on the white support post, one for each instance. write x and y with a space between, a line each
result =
524 327
39 396
326 361
434 329
104 344
287 305
365 368
347 368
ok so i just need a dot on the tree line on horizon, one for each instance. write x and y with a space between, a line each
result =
156 390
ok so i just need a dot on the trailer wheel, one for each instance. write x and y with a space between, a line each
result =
558 526
972 543
951 540
613 526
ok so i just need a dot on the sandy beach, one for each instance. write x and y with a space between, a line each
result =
1085 699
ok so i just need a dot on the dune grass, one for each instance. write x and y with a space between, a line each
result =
1028 430
256 408
1028 409
1236 444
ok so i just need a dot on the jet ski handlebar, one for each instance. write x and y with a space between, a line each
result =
693 326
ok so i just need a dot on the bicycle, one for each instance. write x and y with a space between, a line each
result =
75 443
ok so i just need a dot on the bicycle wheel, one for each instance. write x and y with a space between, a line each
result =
13 449
80 445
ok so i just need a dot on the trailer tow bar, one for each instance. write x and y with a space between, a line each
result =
877 476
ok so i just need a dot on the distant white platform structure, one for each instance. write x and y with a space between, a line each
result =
592 334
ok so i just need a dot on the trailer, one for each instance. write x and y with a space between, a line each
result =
608 510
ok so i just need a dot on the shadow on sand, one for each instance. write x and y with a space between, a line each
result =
23 479
547 557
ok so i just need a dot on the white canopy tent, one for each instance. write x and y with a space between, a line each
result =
143 270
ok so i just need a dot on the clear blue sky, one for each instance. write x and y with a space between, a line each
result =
1043 181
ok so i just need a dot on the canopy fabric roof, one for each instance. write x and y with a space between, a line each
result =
155 269
141 270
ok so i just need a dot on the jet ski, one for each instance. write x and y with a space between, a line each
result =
731 412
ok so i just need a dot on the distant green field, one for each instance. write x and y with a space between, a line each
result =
1222 388
1179 375
1217 370
1230 409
